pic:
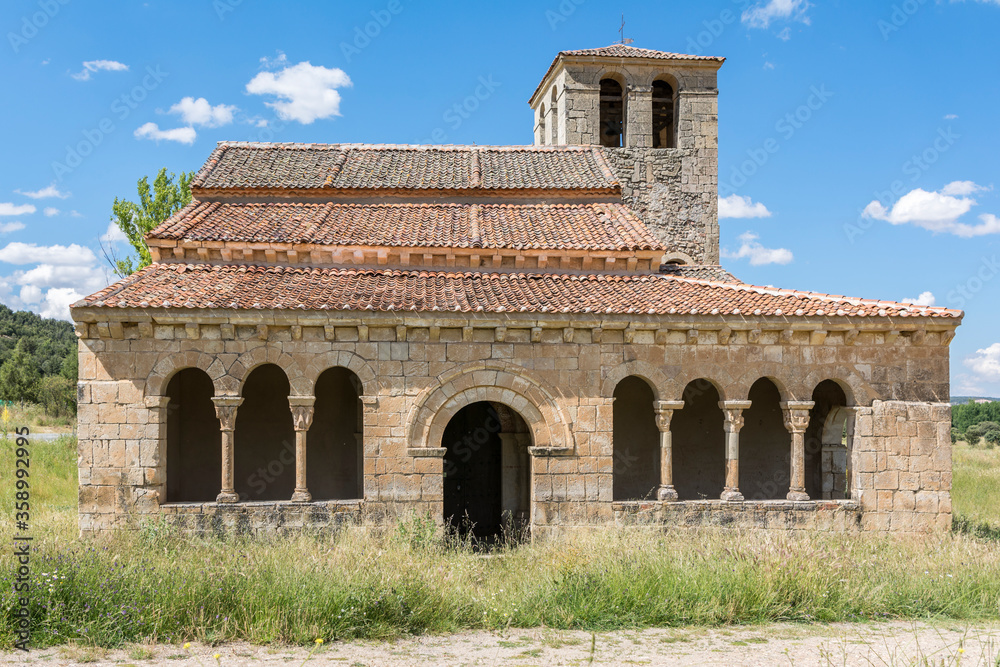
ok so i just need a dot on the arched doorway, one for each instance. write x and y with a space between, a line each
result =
699 443
765 445
194 440
264 452
636 441
486 471
334 451
827 456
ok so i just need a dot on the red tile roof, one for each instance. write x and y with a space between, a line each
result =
249 287
597 226
378 167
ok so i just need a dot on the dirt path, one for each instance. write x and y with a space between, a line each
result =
766 646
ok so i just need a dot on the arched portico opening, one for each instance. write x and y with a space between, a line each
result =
765 444
827 455
612 113
264 452
636 441
335 459
487 472
699 443
194 441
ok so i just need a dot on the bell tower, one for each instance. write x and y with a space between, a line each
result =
656 116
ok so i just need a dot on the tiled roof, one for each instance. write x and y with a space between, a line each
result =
380 167
709 272
624 51
597 226
251 287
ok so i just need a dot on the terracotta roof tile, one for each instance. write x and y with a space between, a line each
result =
236 165
598 226
250 287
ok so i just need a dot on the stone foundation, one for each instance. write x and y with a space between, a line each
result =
831 515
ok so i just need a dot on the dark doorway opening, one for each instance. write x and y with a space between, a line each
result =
699 443
636 441
194 441
486 472
264 456
334 459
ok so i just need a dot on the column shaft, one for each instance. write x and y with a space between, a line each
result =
225 410
733 411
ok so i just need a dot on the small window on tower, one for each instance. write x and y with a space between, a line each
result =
612 114
663 115
542 139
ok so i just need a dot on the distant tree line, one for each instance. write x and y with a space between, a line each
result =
38 361
976 423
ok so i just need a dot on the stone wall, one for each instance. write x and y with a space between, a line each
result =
559 374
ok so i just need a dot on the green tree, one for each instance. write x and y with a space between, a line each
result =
19 376
71 366
57 395
168 195
992 438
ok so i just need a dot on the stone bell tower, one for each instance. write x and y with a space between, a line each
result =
656 115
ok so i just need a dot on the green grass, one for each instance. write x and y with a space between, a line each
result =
976 483
154 586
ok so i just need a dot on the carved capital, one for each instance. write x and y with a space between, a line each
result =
665 412
796 415
225 410
733 412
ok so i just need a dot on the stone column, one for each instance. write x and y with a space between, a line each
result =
225 410
796 415
664 413
733 411
638 117
302 416
153 454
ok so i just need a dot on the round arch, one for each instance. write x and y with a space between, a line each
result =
679 384
654 377
740 389
267 354
318 364
677 257
855 388
172 363
491 381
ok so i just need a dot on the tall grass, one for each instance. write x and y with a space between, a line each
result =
376 582
976 483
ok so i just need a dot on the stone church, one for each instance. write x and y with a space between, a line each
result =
501 337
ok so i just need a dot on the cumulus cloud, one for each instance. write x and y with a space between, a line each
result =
985 363
758 255
305 92
61 276
14 209
199 112
925 299
49 192
182 135
937 211
90 67
30 253
114 234
8 227
50 211
763 14
735 206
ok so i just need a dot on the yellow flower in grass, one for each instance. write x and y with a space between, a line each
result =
318 641
187 645
217 656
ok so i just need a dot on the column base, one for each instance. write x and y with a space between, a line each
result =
301 496
228 497
666 492
732 495
797 495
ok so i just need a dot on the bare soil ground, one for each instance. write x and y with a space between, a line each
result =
882 644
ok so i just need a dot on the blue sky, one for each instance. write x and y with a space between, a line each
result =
859 140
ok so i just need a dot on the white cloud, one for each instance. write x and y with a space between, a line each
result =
75 214
785 34
114 234
14 209
31 294
985 363
183 135
58 301
925 299
200 112
757 254
962 188
29 253
768 65
735 206
50 211
937 211
8 227
92 66
51 191
305 92
761 15
951 116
